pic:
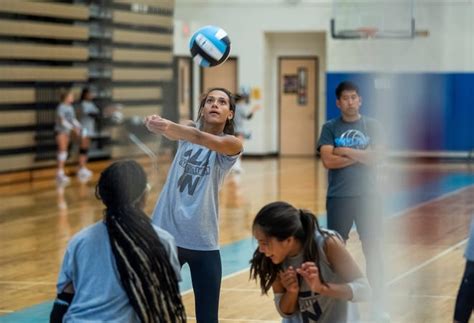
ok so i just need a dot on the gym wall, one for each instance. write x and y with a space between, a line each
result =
443 61
120 48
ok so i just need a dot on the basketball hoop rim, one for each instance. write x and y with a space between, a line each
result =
367 32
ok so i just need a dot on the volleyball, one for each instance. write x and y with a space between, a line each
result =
209 46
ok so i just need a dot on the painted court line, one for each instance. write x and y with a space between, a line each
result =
245 290
223 278
427 262
436 199
32 283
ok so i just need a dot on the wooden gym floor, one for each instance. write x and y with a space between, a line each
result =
430 206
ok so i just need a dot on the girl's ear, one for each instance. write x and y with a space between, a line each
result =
289 240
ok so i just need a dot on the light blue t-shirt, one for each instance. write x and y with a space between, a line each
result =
188 205
90 265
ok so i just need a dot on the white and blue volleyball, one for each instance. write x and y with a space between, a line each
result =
210 46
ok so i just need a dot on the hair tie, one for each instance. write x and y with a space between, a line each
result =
145 191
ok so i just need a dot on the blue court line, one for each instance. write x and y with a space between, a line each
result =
236 255
34 314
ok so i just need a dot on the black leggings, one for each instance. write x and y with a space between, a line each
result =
465 299
206 275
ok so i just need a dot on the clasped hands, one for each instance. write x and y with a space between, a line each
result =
310 273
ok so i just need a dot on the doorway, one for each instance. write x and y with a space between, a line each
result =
224 75
184 99
298 105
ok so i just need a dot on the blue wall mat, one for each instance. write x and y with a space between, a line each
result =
419 111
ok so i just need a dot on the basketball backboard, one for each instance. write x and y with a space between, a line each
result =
358 19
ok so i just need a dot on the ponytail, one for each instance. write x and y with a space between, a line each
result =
310 225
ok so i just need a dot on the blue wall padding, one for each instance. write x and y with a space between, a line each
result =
419 111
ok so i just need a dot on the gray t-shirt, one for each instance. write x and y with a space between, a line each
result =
90 265
87 121
312 306
64 112
188 205
357 179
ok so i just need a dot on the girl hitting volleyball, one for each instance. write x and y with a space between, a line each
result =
311 273
188 204
121 269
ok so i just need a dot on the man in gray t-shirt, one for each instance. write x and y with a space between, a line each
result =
350 148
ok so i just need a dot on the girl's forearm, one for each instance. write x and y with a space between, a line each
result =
288 303
341 291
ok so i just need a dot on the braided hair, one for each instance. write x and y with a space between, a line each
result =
142 261
281 221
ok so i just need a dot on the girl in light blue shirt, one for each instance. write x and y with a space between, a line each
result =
121 269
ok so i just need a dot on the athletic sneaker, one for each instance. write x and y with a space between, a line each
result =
84 174
62 179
